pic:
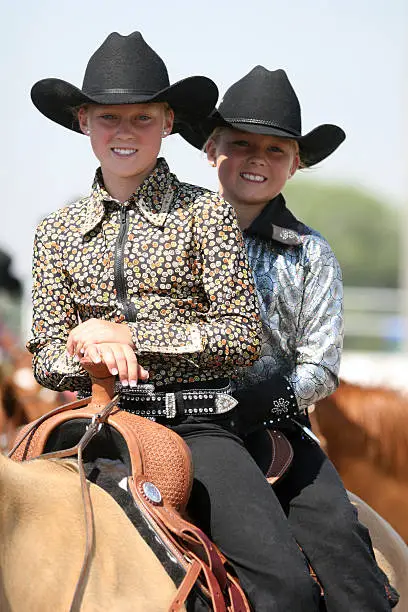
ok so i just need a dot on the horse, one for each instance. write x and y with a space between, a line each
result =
390 550
149 460
364 431
22 398
42 535
46 494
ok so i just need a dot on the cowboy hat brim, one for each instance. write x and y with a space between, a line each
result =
191 99
314 147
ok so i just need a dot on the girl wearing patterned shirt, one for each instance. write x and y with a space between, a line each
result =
148 269
255 141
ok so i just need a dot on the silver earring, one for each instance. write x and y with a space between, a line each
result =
164 132
88 131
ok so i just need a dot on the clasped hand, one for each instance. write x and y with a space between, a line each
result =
97 341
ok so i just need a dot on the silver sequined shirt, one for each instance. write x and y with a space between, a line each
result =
300 291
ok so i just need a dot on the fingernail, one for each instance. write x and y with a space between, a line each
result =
125 383
133 383
82 351
114 371
97 360
76 358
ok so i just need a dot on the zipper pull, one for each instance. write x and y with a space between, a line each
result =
123 215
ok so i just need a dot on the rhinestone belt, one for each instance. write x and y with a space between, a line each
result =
145 401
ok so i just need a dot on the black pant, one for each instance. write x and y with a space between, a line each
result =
326 526
233 503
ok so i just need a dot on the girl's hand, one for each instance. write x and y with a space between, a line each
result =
97 331
119 359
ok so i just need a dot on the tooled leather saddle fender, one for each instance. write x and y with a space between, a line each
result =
160 480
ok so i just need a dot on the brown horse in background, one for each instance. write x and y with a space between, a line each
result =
364 430
22 399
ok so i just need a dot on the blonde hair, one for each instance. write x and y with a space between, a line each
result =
221 128
75 109
214 135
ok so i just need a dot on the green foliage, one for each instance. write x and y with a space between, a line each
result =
362 231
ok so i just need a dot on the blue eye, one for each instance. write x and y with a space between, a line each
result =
144 117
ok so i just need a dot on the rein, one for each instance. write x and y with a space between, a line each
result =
92 429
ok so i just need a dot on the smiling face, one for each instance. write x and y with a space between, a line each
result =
126 139
252 168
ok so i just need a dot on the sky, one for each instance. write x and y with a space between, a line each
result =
347 61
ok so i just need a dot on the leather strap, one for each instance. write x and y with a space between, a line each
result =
91 431
194 544
32 427
195 539
186 586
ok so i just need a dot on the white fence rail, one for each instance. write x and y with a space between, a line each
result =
376 313
380 369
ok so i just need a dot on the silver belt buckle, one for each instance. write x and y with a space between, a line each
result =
171 409
224 403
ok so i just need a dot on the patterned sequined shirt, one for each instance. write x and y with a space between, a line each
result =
300 291
170 261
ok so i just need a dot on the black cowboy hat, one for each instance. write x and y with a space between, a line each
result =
125 70
264 102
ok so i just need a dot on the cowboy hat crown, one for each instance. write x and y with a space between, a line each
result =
265 98
125 70
264 102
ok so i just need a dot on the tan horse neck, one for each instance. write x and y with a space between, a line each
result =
42 541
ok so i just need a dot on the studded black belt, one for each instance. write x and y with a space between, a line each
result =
145 401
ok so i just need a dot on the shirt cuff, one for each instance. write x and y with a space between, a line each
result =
271 402
284 404
65 364
166 339
72 375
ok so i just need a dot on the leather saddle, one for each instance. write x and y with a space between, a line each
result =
160 475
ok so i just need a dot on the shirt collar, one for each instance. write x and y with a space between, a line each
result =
153 197
276 222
